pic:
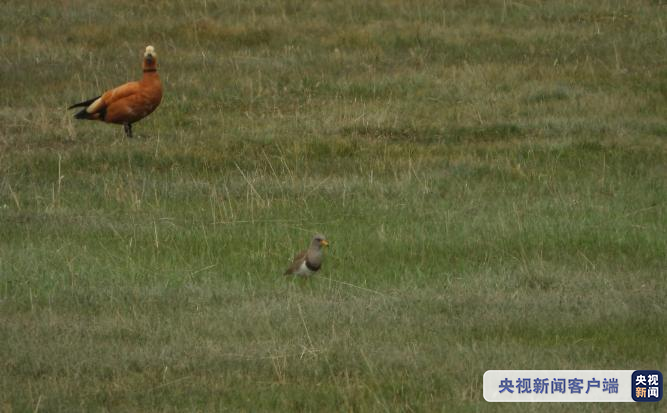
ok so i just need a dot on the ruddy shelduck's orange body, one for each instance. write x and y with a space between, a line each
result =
127 103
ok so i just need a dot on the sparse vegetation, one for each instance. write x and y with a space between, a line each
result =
491 176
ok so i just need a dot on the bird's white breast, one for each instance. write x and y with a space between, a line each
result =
304 270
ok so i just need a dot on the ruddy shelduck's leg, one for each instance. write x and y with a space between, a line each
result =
128 129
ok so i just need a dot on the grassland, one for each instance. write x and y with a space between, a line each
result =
491 176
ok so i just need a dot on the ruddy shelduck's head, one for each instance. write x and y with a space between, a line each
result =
150 58
150 54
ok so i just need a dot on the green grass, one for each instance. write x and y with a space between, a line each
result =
491 176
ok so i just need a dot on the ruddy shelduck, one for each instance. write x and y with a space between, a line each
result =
127 103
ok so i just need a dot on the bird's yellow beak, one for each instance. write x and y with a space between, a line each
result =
324 242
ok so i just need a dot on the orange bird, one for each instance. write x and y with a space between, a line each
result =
127 103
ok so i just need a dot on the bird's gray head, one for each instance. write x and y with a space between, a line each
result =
319 241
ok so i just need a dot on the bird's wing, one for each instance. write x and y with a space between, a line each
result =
111 96
296 263
116 94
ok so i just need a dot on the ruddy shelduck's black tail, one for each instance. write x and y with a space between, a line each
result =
83 114
85 103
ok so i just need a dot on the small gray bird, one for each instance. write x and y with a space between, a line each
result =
309 261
